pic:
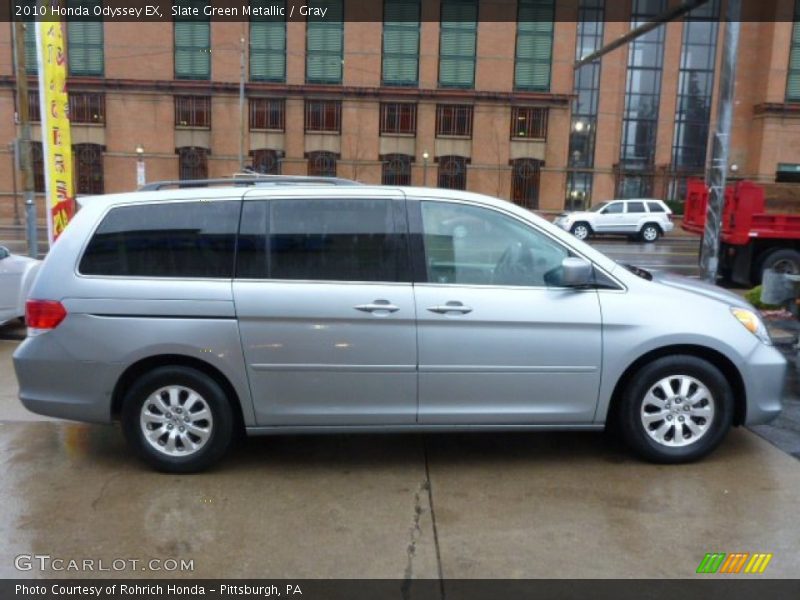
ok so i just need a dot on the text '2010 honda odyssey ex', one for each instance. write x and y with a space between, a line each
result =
190 314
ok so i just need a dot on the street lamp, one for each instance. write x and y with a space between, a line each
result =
140 174
425 157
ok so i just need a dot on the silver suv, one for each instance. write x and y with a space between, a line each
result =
193 314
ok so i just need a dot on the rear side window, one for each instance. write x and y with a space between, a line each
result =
186 239
323 240
655 207
636 207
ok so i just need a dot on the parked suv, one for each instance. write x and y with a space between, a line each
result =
193 314
644 219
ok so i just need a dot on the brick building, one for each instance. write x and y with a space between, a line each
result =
441 92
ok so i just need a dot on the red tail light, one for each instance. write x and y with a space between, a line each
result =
44 314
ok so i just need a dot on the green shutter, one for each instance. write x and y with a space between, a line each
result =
534 45
268 45
325 43
401 42
31 64
457 43
193 44
85 43
793 81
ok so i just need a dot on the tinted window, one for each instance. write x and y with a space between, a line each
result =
187 239
612 209
329 240
655 207
472 245
636 207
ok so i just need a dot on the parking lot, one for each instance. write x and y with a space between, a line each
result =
398 506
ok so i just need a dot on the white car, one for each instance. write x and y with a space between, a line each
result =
16 277
645 219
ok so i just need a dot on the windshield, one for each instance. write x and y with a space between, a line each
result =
599 207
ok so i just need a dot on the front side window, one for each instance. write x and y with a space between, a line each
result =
470 245
322 240
186 239
613 209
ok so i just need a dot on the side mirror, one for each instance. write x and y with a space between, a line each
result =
575 272
4 253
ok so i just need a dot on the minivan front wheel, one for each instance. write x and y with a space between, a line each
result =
177 419
676 409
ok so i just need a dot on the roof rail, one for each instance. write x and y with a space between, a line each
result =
247 180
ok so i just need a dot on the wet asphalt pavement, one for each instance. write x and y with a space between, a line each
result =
395 506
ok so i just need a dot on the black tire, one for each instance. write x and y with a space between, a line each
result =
210 392
630 412
650 233
785 260
579 228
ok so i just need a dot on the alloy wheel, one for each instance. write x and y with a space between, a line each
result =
677 411
176 421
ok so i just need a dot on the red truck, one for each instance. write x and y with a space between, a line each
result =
752 239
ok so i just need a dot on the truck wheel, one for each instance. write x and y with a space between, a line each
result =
581 230
177 419
650 233
785 260
676 409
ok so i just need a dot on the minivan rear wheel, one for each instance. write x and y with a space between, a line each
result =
177 419
676 409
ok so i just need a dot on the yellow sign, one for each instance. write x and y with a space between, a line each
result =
56 139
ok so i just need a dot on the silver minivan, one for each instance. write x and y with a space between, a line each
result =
191 315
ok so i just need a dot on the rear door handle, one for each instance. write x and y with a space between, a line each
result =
451 307
378 307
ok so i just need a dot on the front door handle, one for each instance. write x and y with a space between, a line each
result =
378 307
451 307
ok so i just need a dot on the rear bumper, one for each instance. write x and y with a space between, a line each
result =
53 383
764 377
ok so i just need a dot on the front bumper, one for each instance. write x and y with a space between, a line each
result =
764 375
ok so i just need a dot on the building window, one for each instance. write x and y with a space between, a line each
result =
793 81
192 163
85 42
454 120
321 164
458 35
586 93
325 43
525 182
88 168
452 173
324 116
534 52
37 160
399 117
87 107
695 87
266 162
31 64
528 122
642 96
192 111
401 42
268 113
192 43
396 169
34 108
268 43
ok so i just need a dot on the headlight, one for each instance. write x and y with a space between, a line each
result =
753 323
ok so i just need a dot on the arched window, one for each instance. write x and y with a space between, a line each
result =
322 164
396 169
192 163
452 172
525 182
88 168
267 162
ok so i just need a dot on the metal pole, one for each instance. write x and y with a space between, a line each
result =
720 145
14 162
241 107
26 164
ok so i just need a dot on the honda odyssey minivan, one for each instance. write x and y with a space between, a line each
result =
190 315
